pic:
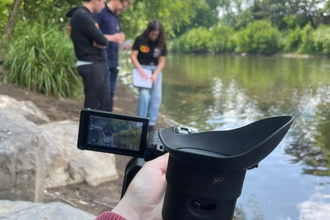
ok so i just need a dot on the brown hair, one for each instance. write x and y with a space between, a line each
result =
154 25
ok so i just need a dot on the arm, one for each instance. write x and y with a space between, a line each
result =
90 28
160 66
117 37
98 45
137 64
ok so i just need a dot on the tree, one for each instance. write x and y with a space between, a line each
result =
12 19
204 14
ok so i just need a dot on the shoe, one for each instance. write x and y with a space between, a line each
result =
151 128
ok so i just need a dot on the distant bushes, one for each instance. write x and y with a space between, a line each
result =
258 37
201 40
195 40
42 59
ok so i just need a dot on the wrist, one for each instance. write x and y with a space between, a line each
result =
125 210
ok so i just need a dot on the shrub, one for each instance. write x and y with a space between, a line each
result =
292 40
258 37
307 43
41 59
195 40
222 39
321 39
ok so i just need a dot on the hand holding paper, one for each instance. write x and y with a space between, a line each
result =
142 81
126 45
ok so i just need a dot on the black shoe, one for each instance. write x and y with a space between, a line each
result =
151 128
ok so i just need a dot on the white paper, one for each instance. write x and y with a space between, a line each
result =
126 44
139 82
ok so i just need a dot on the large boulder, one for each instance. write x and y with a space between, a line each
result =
38 211
25 108
34 157
66 164
21 158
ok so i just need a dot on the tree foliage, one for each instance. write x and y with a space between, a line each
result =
192 26
5 8
259 37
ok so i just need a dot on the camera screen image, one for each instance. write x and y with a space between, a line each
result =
112 133
109 132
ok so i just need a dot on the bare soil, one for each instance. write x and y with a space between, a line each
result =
92 199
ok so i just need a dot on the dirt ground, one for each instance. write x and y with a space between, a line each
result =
92 199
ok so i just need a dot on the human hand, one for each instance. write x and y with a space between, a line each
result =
120 38
144 197
126 45
98 45
144 75
154 78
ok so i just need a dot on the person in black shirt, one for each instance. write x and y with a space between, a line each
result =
108 133
89 46
149 52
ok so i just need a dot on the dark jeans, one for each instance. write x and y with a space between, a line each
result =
113 73
96 88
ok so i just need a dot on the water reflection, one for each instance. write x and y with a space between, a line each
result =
225 92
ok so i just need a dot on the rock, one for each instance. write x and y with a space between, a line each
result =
39 211
34 157
66 164
21 158
25 108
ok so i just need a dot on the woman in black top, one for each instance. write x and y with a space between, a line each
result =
149 52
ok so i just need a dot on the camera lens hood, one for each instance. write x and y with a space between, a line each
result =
206 170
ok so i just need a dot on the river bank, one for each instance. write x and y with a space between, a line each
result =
93 199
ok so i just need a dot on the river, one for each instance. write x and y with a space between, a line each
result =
222 92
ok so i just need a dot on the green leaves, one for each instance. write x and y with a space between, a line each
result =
259 37
5 7
171 13
201 40
42 60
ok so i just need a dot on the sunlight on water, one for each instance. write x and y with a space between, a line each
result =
226 92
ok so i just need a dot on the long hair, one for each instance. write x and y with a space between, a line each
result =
154 26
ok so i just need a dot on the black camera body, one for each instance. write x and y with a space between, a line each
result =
128 136
121 134
206 170
155 147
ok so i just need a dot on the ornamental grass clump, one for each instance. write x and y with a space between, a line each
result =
42 59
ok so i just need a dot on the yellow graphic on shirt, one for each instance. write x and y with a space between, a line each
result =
144 49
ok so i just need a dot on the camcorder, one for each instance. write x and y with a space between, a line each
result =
122 135
206 170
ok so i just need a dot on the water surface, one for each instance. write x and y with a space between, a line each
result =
225 92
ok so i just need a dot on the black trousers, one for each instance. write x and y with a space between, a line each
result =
96 88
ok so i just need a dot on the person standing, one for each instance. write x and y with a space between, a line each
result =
89 46
108 134
149 52
110 26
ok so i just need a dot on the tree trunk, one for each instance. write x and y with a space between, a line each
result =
12 19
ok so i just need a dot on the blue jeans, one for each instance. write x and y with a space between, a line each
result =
150 99
112 79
